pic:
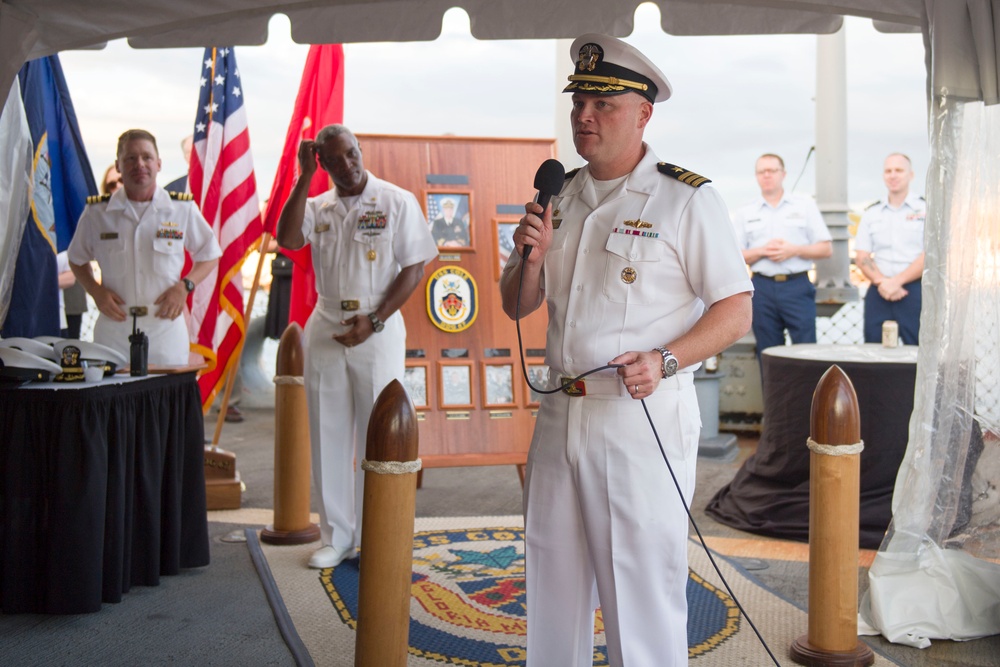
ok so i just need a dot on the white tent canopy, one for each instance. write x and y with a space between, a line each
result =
35 28
961 38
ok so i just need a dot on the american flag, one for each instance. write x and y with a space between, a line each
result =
222 182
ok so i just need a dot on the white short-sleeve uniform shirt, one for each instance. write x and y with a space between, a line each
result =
357 252
140 257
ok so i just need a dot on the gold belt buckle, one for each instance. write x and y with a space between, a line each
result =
780 278
578 388
351 304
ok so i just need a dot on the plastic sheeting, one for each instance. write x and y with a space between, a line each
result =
935 576
15 189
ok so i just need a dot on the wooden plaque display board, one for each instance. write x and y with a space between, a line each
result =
463 369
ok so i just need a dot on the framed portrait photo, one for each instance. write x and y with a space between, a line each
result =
416 382
503 243
449 217
456 384
498 384
539 376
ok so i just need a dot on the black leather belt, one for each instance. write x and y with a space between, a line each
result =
782 277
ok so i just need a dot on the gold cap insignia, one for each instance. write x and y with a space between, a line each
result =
590 54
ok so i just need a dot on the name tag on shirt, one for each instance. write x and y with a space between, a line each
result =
322 227
109 236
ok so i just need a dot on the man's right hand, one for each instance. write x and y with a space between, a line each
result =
308 152
108 303
534 231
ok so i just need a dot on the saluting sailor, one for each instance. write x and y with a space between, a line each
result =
369 242
639 265
138 236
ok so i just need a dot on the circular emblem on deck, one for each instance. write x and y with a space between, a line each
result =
467 604
452 299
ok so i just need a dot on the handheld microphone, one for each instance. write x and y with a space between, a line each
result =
548 181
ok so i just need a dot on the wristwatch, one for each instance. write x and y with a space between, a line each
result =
188 284
670 363
377 324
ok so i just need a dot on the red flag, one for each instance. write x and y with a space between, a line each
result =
222 182
320 102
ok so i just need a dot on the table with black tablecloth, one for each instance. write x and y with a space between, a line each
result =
102 487
770 493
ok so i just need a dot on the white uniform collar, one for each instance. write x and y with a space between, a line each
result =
645 178
119 200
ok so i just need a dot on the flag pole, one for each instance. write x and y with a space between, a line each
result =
235 364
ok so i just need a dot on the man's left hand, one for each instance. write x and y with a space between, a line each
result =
361 329
641 372
171 303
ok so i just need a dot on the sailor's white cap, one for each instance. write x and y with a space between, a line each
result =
84 350
608 66
31 345
20 366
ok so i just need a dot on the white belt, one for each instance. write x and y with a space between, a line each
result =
613 387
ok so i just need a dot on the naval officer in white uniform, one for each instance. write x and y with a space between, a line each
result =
138 236
369 241
639 265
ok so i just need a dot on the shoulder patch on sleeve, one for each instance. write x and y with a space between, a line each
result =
682 174
181 196
873 204
97 199
571 173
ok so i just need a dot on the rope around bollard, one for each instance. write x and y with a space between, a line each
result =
835 450
391 467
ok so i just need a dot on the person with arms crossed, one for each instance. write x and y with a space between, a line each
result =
138 235
369 243
780 235
639 266
889 250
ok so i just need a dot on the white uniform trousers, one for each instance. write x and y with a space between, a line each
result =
342 384
169 341
602 516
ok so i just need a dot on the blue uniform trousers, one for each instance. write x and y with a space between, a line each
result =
906 312
777 306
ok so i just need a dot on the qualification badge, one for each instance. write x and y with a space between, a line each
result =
372 255
628 275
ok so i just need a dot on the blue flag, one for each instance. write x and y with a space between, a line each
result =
62 181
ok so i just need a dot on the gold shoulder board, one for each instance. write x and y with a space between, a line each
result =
682 174
181 196
97 199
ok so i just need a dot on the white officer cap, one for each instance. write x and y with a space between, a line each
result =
72 352
35 347
608 66
18 367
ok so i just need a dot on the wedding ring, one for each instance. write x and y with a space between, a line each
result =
636 390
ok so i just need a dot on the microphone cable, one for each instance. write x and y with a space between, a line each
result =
649 418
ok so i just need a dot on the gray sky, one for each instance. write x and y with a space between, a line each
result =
734 98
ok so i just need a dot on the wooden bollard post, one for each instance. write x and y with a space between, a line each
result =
390 499
292 463
834 501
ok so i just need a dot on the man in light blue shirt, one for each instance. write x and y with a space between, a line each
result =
780 235
890 252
